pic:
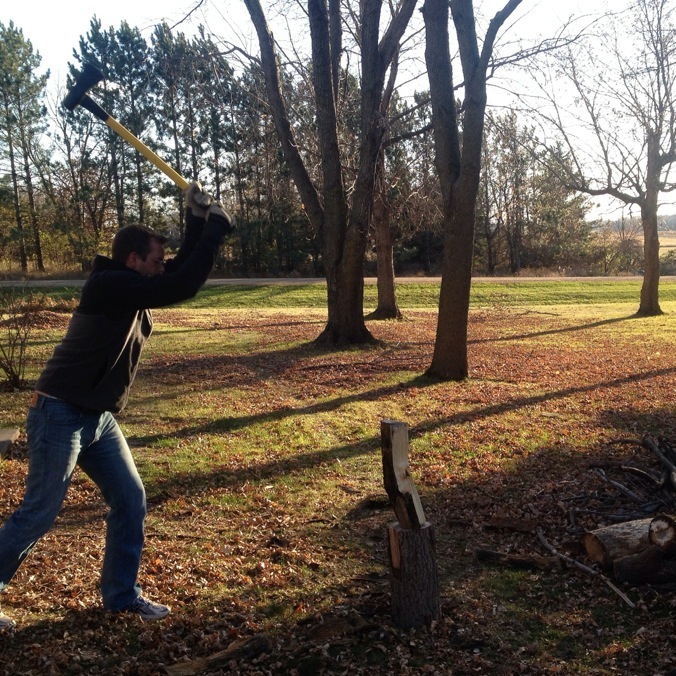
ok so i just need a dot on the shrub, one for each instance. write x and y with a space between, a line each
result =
18 314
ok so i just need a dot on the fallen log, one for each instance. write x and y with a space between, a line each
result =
649 566
605 545
662 534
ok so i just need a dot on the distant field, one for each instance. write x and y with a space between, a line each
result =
667 241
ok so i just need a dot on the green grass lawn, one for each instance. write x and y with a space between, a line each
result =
426 295
412 294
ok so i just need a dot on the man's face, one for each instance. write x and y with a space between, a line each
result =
153 263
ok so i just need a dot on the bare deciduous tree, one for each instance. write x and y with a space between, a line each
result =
339 211
458 163
616 119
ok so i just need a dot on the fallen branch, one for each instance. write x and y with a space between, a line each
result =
652 445
244 648
619 486
658 480
518 560
586 569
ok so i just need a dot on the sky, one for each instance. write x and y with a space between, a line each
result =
54 28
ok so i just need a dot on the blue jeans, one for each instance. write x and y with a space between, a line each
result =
61 436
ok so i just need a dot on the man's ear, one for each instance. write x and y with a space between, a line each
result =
132 260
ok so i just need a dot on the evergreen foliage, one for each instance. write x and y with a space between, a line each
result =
62 197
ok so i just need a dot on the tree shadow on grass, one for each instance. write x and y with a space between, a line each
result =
216 326
496 620
554 332
231 423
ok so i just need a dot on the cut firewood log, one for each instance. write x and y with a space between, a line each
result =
648 566
662 533
606 545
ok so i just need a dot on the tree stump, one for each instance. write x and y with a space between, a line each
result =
413 576
411 544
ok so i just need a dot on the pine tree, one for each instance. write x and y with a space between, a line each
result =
22 115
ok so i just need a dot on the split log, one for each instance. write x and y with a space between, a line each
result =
605 545
398 482
518 560
649 566
413 576
662 534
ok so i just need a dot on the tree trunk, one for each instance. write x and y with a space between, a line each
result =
459 179
31 196
413 576
450 349
343 233
387 299
118 182
345 295
459 170
650 305
17 208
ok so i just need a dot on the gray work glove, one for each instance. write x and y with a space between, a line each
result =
198 200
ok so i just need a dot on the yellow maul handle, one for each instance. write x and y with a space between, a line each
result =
147 152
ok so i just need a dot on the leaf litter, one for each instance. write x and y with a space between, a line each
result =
288 544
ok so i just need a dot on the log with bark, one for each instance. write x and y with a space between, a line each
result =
649 566
605 545
640 552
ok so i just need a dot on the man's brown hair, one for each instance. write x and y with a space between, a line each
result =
134 238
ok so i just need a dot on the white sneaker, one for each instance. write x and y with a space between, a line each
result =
147 610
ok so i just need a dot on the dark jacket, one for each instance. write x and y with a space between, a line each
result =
94 365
